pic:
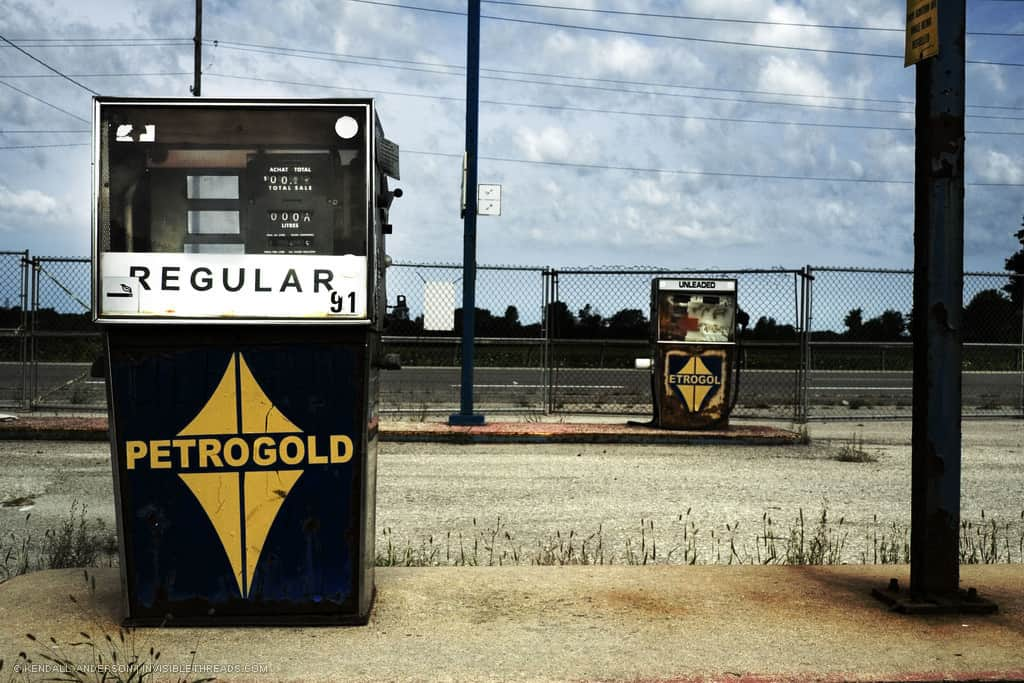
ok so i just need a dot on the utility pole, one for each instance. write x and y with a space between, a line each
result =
465 416
197 40
937 315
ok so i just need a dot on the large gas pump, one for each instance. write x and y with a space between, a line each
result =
238 276
695 374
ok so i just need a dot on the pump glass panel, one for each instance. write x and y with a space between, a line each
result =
696 314
233 210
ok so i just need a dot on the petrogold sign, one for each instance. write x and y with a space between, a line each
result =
240 457
694 378
922 37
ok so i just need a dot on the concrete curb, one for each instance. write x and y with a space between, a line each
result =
95 429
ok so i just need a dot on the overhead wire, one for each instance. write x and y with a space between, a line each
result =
328 58
764 22
690 172
53 69
101 75
666 36
614 112
41 100
69 144
99 39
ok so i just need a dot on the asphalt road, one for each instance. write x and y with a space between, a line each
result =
414 388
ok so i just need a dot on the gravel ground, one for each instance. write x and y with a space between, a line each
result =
436 491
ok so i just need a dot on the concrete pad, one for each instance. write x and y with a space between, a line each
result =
80 428
571 623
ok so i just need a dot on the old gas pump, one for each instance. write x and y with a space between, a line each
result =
695 373
238 275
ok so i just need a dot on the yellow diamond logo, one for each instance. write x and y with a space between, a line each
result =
241 505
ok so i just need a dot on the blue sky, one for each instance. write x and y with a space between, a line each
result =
566 113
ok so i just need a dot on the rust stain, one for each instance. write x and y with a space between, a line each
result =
647 602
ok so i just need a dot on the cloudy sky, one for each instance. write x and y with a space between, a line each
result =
625 132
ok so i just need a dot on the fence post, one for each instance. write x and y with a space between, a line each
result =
807 360
33 388
552 296
23 302
545 353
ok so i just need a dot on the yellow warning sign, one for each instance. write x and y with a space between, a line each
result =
922 31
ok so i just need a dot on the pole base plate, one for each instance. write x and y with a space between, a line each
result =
464 420
958 602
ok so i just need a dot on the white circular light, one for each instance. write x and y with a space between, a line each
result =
346 127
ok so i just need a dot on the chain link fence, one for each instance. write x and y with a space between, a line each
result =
64 340
820 343
14 328
860 351
425 328
599 325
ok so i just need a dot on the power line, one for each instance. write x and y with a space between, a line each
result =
641 34
765 22
34 132
298 52
48 104
507 79
110 44
688 172
56 71
100 39
70 144
101 75
644 34
532 105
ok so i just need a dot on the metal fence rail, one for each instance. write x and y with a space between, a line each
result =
822 343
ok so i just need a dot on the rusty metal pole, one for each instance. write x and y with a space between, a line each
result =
937 314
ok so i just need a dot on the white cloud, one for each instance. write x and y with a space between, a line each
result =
792 75
649 193
997 167
555 143
26 201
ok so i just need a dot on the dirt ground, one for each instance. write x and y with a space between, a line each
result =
448 503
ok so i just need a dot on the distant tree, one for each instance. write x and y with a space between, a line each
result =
767 328
991 317
854 321
561 320
485 324
1015 264
890 326
629 323
511 316
590 324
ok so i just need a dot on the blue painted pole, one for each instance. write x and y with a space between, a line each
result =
465 416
